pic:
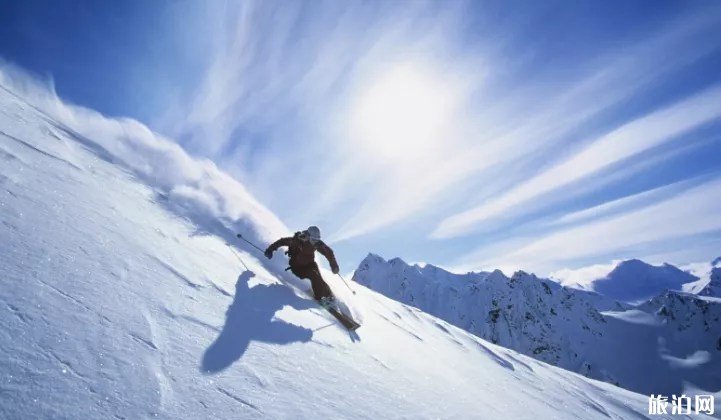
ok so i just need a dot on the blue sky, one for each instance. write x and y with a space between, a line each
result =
471 135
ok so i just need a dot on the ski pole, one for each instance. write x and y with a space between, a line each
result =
238 256
346 283
251 243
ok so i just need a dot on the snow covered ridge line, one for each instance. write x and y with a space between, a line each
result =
584 332
195 188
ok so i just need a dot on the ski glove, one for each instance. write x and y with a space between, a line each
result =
268 254
335 270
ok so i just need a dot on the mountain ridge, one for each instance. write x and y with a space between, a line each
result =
574 329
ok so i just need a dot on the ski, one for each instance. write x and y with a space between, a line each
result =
349 323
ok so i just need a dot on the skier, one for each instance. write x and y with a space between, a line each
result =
301 253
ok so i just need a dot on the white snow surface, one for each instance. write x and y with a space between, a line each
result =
713 287
661 346
709 282
119 299
697 286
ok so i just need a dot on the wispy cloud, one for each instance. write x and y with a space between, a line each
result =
393 123
279 101
279 95
629 202
582 278
697 251
692 212
443 120
640 135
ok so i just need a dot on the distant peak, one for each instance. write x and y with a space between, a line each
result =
633 263
636 265
371 257
377 259
497 274
397 261
716 262
431 267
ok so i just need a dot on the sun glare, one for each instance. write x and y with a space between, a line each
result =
404 113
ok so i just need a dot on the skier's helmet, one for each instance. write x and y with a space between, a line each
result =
313 233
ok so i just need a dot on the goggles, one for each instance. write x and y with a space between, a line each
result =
305 236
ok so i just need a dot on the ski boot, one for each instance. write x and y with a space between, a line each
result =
329 302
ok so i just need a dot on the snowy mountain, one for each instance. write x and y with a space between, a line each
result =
120 299
713 287
696 287
580 331
691 317
636 281
709 282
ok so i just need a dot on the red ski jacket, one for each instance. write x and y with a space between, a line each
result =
303 252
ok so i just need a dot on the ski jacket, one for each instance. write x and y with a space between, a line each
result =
302 252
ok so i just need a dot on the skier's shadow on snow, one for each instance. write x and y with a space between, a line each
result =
250 318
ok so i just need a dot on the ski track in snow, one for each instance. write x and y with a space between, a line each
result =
110 304
404 329
237 399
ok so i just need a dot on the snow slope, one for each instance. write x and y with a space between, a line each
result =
713 287
709 282
120 299
577 330
696 287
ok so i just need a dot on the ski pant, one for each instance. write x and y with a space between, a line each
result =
312 273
